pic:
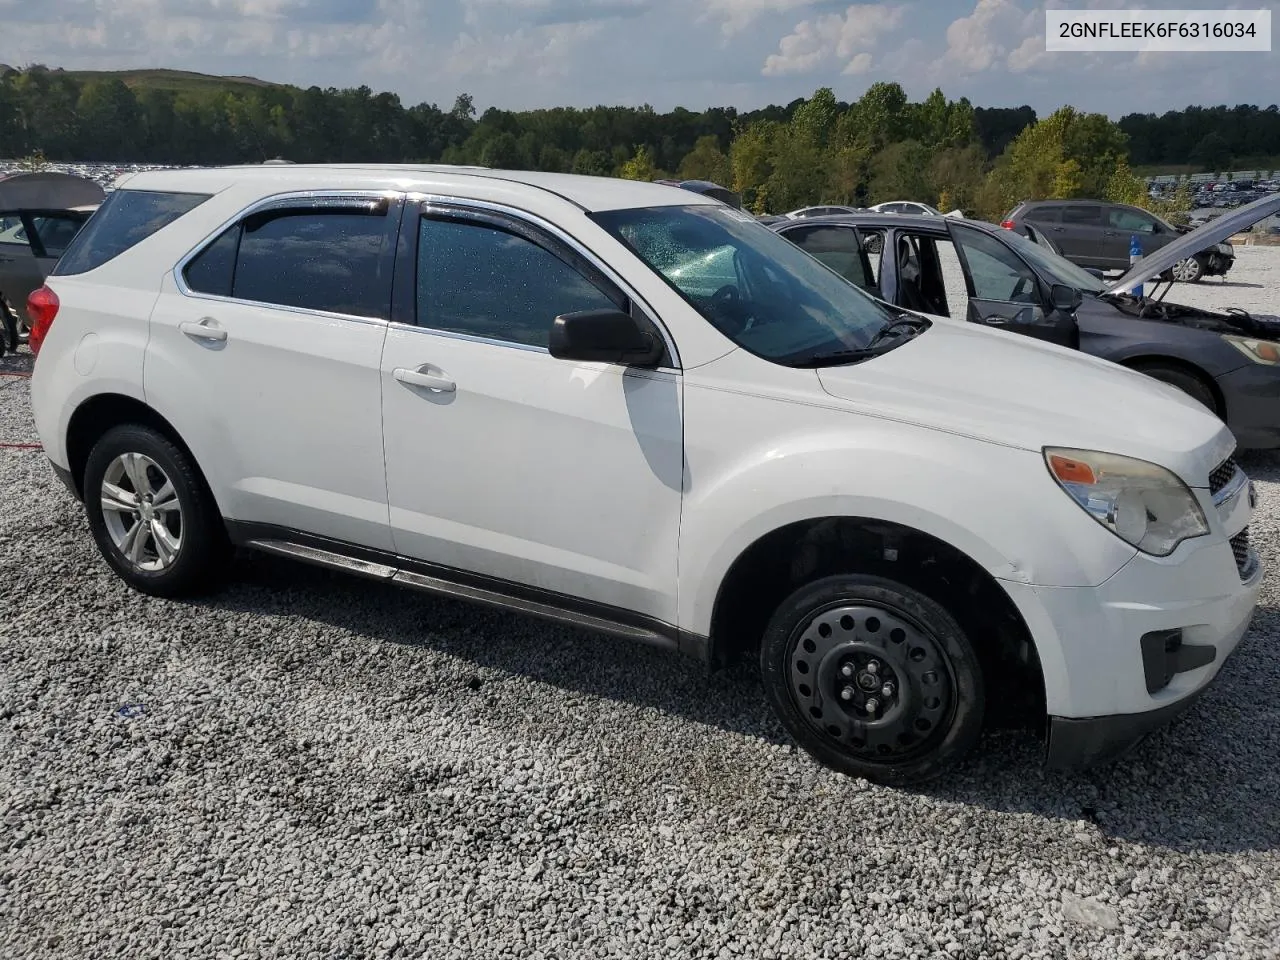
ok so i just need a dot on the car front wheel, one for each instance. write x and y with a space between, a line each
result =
1190 270
873 678
151 515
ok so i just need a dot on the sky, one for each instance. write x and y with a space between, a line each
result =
519 54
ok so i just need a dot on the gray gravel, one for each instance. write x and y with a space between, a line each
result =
311 766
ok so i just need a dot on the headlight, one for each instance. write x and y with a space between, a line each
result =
1259 351
1227 249
1143 504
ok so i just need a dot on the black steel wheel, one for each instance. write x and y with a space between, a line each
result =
873 678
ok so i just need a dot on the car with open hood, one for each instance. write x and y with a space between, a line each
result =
1099 235
637 411
40 213
1227 360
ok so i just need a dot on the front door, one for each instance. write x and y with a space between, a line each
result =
1004 292
548 475
266 359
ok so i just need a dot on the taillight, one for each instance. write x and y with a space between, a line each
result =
42 307
1008 224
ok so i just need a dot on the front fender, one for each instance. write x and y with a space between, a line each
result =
997 505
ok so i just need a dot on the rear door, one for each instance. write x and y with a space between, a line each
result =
1081 237
1005 293
267 355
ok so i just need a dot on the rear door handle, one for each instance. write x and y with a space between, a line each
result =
430 381
203 330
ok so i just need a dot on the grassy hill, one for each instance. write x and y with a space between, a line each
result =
179 81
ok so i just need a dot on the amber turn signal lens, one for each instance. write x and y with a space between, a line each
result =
1071 471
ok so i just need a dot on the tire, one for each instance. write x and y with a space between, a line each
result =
11 335
1190 270
1189 383
904 651
194 556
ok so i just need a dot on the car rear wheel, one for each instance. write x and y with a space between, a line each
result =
1189 383
1190 270
873 678
151 514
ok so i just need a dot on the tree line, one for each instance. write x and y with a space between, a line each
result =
814 150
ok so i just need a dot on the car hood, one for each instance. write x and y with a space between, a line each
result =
1013 390
1201 238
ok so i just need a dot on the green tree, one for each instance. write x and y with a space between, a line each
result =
706 161
640 166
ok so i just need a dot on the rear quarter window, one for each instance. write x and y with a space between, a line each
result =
125 219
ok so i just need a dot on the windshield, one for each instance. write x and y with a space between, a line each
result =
757 288
1056 269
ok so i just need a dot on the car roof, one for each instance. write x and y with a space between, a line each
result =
589 193
873 219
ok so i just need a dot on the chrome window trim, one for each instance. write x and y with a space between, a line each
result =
569 240
319 199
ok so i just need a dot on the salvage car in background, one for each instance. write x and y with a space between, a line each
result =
1229 361
40 213
1092 233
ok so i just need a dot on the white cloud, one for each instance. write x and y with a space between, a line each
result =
737 15
859 64
998 34
849 36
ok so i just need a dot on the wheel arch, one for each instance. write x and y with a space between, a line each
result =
780 561
1142 362
98 414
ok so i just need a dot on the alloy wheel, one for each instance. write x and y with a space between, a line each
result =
1186 270
142 513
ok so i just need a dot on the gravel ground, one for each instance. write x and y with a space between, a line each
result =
313 766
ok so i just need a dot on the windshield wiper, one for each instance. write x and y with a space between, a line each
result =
874 348
905 322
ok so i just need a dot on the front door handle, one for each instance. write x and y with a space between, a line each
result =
203 330
430 381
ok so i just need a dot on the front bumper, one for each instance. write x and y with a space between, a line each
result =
1109 678
1078 742
1252 397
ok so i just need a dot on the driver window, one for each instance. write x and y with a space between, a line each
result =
1131 221
478 280
995 271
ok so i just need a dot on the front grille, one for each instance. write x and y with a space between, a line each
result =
1240 550
1222 475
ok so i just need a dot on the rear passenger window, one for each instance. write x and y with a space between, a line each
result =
329 259
479 280
324 259
212 270
1082 215
125 219
1044 214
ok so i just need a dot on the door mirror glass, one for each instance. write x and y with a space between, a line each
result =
604 336
1065 298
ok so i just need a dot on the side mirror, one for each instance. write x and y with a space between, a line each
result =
1065 298
604 336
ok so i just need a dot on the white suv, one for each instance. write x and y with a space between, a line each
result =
633 409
